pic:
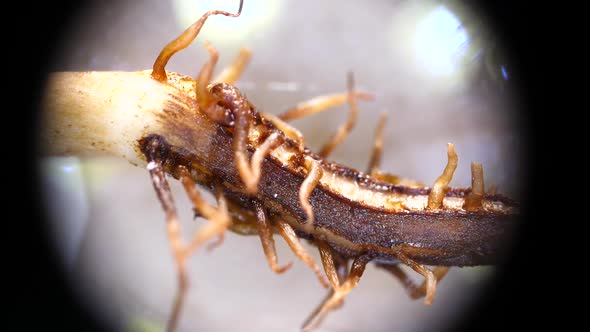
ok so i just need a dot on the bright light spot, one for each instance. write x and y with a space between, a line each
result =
68 168
256 14
440 42
504 72
151 165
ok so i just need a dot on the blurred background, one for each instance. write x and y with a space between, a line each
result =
435 68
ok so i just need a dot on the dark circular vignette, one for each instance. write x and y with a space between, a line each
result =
45 298
513 286
49 301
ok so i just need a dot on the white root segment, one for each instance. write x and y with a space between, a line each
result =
94 113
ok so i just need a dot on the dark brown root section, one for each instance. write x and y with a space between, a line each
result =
439 238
